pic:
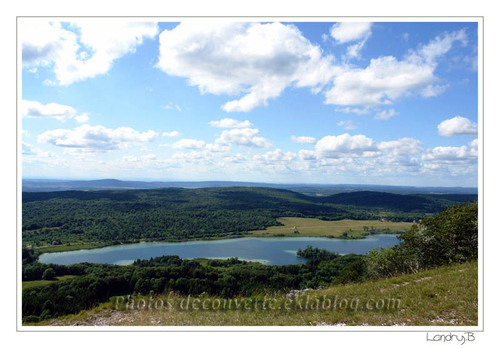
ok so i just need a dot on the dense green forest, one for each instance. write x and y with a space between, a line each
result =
174 214
448 237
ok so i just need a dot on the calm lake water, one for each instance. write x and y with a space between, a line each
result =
271 251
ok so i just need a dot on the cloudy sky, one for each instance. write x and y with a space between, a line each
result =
210 99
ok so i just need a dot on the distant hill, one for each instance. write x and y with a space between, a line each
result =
45 185
406 203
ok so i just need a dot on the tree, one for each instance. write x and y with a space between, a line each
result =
447 237
49 274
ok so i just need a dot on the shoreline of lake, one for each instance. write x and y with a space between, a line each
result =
87 246
275 250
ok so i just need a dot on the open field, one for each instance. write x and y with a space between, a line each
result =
444 296
33 283
308 227
70 247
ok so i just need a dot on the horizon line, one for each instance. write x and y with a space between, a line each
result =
239 181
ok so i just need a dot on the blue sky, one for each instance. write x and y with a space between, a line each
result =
373 102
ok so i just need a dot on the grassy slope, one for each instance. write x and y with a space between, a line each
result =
442 296
33 283
309 227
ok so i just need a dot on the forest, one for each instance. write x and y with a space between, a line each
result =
175 214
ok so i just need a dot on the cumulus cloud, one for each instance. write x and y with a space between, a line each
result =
275 156
345 145
83 118
401 147
386 78
448 153
451 160
383 81
254 59
242 136
303 139
188 144
457 125
171 134
33 109
350 31
307 155
96 138
230 123
474 147
82 49
217 148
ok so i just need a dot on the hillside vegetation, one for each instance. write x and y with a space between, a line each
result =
181 214
444 296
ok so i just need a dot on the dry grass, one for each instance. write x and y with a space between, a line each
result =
309 227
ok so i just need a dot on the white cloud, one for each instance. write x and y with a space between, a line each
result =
354 50
230 123
474 147
434 90
140 162
96 138
172 106
307 155
83 118
242 136
303 140
385 114
401 147
356 111
386 78
217 148
188 144
171 134
383 81
33 109
439 46
82 49
447 153
30 150
451 160
275 156
350 31
457 125
254 59
345 145
347 125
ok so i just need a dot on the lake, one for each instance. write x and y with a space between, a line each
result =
270 251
